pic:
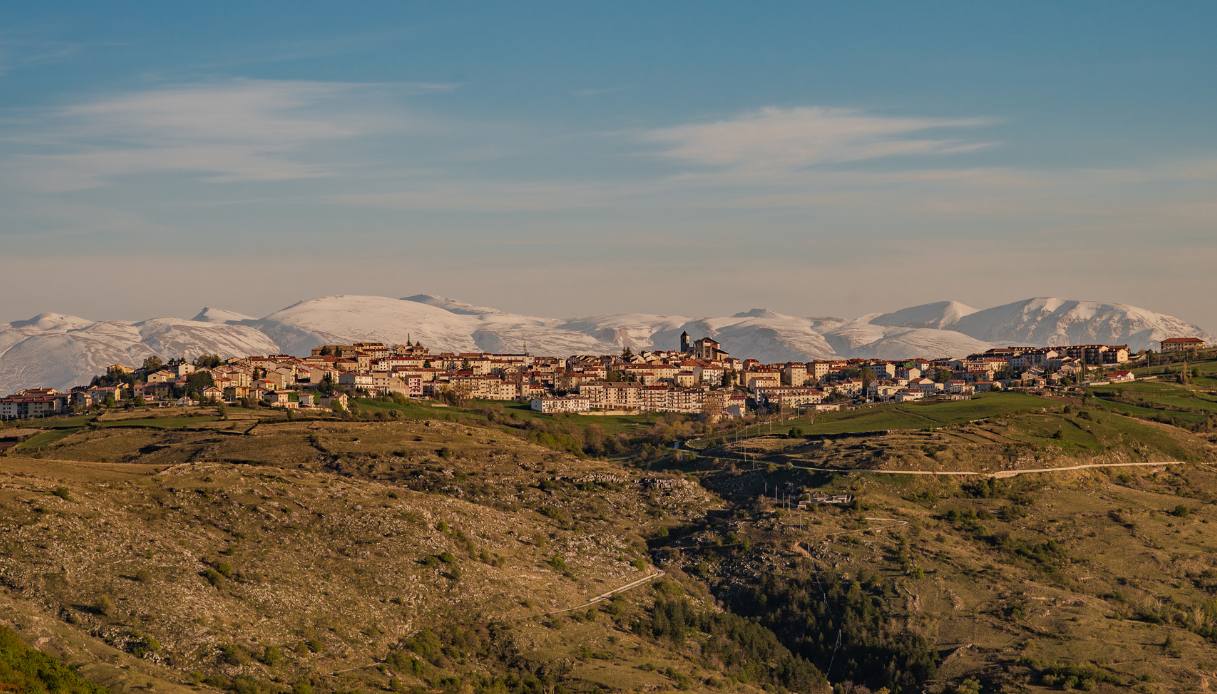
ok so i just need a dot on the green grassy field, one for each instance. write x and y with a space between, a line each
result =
1160 401
1094 431
927 415
71 422
45 439
1205 368
903 416
162 422
483 411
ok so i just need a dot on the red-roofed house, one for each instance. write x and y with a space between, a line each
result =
1182 344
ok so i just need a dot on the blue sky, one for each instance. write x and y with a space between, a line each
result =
573 158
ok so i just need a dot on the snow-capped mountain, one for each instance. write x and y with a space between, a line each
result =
940 314
219 315
60 351
1044 321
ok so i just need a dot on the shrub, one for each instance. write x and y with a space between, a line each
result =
271 655
62 492
142 645
105 606
558 563
232 654
215 578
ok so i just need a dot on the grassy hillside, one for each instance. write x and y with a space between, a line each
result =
480 549
24 669
1184 405
358 555
1075 581
888 417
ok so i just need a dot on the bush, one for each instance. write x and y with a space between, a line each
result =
232 655
143 645
271 655
105 606
558 563
62 492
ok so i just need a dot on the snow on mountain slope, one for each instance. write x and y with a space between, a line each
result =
1052 321
509 332
901 343
452 305
63 351
765 335
219 315
638 331
330 319
188 338
864 337
940 314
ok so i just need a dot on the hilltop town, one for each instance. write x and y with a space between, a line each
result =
697 378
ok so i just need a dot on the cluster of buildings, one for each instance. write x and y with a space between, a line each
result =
697 378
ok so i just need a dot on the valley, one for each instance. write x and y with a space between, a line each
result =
480 548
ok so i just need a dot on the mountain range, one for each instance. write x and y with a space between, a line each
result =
60 351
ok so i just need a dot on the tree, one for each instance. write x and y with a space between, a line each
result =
326 387
943 375
152 363
208 361
868 377
197 381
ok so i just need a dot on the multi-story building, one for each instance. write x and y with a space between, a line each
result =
790 397
549 404
762 377
794 374
33 403
1181 344
607 395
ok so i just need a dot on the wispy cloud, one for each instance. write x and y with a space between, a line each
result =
236 130
772 139
596 91
22 52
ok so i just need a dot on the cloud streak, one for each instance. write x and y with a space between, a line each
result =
231 131
774 140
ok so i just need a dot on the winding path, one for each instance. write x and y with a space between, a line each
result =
605 596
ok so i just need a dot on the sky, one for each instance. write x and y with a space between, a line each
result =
581 158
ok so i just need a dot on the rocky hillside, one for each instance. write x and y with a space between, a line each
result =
1008 542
